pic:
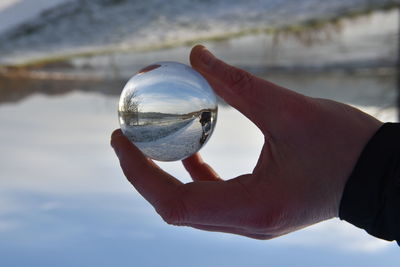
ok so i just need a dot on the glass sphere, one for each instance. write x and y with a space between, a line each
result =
168 110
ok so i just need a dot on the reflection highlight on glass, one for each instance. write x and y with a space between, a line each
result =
168 110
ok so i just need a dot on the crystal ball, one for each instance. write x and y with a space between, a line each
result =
168 110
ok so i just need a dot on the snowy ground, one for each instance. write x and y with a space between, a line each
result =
97 26
14 12
152 131
178 145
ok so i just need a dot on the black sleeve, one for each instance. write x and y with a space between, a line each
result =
371 197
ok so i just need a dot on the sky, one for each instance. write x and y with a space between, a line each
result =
64 200
171 88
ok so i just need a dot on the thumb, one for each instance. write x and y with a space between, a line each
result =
259 100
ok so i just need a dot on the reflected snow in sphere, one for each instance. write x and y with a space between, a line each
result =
168 110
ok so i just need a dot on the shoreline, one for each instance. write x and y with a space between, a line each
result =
337 85
304 36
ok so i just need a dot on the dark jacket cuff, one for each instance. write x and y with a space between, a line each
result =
371 197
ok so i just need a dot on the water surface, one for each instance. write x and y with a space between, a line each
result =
64 200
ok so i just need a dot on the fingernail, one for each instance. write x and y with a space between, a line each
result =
117 133
206 57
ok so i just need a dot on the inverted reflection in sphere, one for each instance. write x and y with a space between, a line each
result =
168 110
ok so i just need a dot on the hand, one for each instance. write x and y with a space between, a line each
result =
311 146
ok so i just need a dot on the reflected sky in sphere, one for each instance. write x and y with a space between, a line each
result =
168 110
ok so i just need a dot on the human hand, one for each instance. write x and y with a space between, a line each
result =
311 146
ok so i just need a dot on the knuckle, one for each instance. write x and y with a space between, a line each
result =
130 171
173 210
263 226
260 223
299 110
262 236
270 224
239 80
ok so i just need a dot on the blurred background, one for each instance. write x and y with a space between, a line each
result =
63 63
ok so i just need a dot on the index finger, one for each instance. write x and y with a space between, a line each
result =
209 203
150 181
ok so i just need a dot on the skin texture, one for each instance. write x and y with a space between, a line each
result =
311 146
